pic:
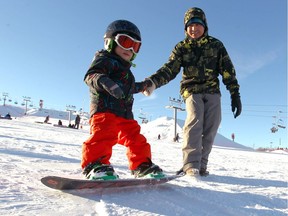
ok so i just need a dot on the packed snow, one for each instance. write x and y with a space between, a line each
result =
241 181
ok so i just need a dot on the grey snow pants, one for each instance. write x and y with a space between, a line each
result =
201 125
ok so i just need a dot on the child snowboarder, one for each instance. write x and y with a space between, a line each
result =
112 85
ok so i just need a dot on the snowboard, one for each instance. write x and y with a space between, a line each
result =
62 183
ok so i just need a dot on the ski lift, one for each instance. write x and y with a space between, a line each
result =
280 124
23 104
15 102
9 100
143 117
274 129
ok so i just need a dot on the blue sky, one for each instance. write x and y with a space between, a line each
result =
46 47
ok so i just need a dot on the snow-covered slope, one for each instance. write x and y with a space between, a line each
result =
241 182
165 126
36 114
15 111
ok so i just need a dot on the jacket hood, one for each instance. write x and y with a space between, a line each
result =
195 13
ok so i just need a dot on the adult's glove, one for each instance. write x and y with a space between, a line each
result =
236 104
149 87
111 87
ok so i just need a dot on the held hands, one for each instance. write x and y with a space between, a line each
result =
236 104
149 87
111 87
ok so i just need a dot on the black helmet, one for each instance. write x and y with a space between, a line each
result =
122 26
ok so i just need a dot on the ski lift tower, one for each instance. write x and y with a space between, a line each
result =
70 109
5 95
176 105
26 100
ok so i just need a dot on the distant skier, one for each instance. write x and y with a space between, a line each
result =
77 121
47 119
8 116
177 137
233 136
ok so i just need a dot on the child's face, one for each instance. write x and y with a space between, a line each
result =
195 30
124 54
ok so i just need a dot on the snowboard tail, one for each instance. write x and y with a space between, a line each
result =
61 183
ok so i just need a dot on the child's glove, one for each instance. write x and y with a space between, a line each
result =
111 87
149 87
236 104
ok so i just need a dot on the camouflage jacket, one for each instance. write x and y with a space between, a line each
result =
202 61
112 66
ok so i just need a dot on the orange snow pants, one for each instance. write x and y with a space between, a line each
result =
106 130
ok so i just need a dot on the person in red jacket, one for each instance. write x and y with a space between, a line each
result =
112 85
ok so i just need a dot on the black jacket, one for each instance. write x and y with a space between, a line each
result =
111 65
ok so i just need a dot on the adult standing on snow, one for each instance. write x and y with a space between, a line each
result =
203 59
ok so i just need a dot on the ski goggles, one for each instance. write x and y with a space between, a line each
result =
126 42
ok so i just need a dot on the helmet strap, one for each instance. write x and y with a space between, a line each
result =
133 57
109 44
